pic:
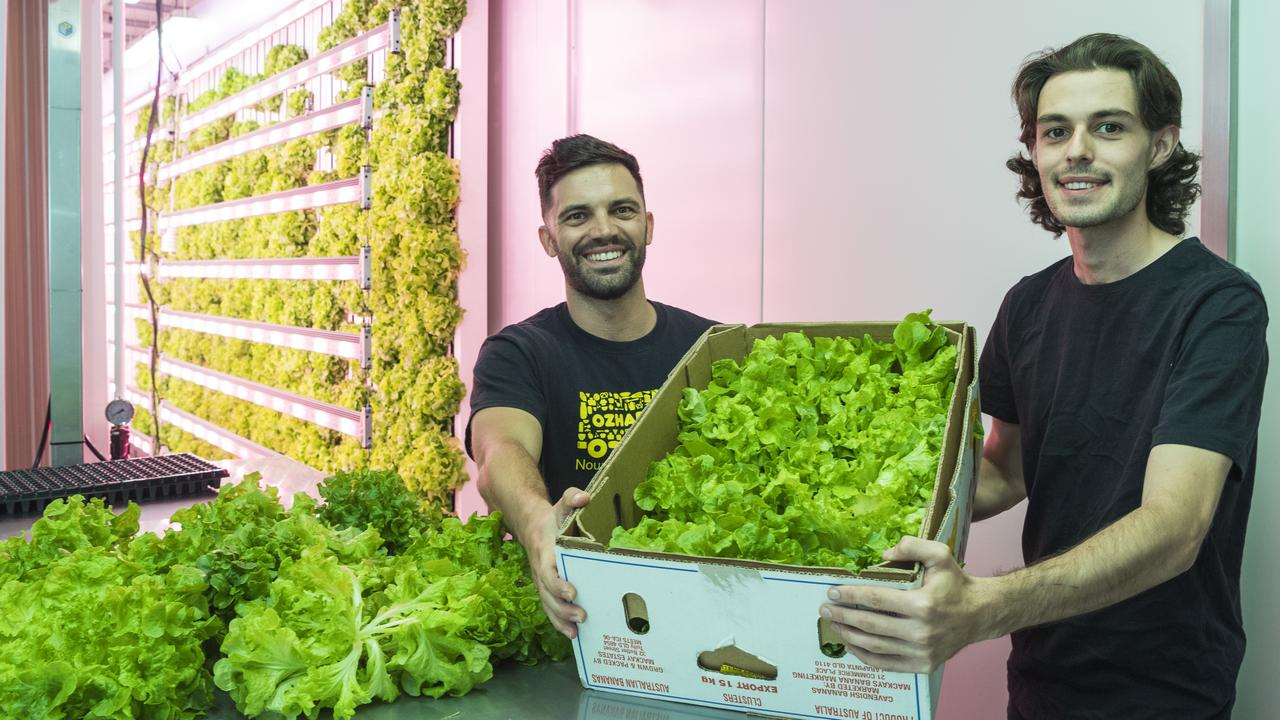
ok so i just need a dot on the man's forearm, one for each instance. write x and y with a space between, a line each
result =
1133 554
510 483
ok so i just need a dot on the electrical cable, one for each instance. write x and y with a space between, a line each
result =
143 258
93 449
44 436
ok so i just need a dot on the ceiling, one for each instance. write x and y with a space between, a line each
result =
139 19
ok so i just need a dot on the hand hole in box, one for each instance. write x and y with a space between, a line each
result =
733 660
828 640
637 613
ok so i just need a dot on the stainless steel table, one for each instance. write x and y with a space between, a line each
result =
549 691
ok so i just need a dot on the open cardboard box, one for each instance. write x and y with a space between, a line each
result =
737 633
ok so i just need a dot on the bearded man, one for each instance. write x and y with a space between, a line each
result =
553 394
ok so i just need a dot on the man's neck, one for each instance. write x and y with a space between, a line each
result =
629 317
1107 253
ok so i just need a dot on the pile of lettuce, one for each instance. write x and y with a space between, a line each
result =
366 596
819 452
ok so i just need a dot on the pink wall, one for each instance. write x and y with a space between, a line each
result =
686 102
689 112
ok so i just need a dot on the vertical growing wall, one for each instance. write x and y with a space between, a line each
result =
270 339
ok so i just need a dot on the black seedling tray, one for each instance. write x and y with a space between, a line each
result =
26 492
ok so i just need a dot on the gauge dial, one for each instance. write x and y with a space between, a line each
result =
119 411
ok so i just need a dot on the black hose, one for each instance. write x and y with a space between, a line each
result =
93 449
44 436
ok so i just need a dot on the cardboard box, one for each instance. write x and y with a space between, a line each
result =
736 633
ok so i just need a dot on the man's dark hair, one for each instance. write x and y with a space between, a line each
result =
1171 187
576 152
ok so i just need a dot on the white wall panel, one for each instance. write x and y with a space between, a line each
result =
1257 180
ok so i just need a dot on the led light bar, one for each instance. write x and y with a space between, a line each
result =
140 441
348 52
263 32
138 102
325 342
352 111
337 192
343 420
315 268
199 427
213 434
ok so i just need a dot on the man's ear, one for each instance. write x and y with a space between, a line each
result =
548 242
1164 142
648 230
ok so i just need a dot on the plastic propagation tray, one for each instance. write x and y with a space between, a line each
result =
24 492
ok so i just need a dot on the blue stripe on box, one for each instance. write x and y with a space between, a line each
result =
620 562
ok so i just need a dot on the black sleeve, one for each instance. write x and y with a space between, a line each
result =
995 379
505 376
1214 397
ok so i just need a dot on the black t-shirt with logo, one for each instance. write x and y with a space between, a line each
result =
584 390
1095 376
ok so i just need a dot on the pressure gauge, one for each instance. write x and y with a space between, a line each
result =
119 411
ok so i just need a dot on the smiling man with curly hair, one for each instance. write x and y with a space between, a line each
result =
1124 385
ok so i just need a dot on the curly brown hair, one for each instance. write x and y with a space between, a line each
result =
1171 187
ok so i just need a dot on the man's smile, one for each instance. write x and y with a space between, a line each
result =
1074 186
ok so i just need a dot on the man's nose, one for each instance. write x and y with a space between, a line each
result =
1080 147
600 225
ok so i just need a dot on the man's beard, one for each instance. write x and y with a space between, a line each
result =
610 286
1126 200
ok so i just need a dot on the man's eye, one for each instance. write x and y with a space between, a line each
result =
576 217
1056 133
1109 128
626 211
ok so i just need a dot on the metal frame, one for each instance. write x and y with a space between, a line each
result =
348 52
357 190
66 356
336 116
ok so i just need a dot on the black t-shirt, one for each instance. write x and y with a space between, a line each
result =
585 391
1095 376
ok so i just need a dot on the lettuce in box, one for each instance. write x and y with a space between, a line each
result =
818 451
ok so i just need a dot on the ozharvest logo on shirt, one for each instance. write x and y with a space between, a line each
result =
603 417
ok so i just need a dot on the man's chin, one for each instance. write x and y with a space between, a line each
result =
599 293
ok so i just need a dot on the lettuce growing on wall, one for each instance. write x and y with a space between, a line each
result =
413 385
